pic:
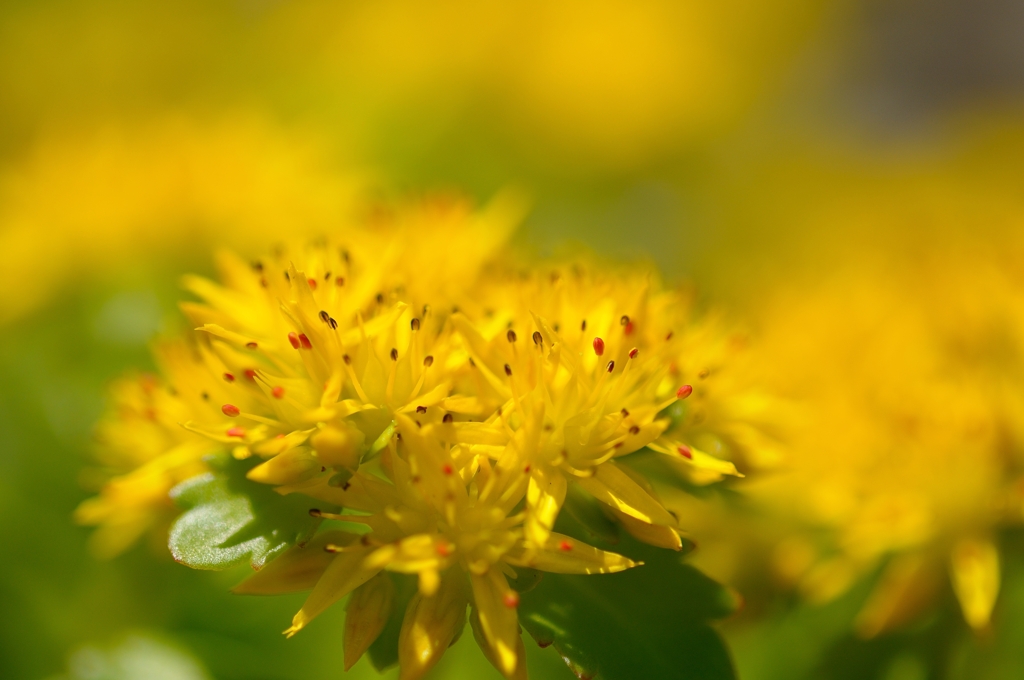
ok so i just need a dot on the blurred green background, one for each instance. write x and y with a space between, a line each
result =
736 144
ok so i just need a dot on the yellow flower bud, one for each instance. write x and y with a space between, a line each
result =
290 467
338 446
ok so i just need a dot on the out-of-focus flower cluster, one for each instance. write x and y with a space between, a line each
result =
901 367
447 396
79 205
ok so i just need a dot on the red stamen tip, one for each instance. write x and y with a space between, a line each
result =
511 599
236 432
565 546
305 341
448 469
230 410
628 329
684 391
277 391
251 345
294 339
633 352
685 451
526 469
312 283
598 346
229 377
250 373
444 549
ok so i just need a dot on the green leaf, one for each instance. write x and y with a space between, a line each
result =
646 622
229 519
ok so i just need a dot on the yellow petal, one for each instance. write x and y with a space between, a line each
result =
413 554
430 625
544 499
431 398
702 468
298 568
363 492
290 467
345 573
905 588
613 486
498 621
975 569
520 670
366 615
234 338
338 445
651 534
429 582
564 555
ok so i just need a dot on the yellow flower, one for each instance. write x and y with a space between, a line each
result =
154 190
445 394
900 456
444 515
729 418
144 452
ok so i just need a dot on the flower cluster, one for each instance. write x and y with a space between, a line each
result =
906 455
444 395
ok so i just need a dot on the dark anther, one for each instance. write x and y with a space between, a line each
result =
511 335
380 298
428 360
324 316
415 324
538 339
394 354
421 409
583 326
346 359
508 370
334 324
447 418
611 366
634 430
624 320
258 266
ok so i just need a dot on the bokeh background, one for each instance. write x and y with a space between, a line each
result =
821 170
